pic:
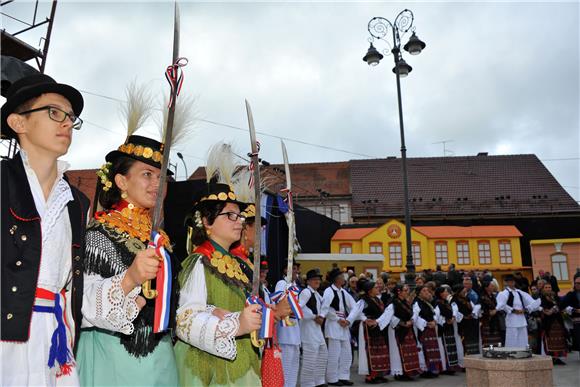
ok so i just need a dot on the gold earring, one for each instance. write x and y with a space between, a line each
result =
208 232
123 195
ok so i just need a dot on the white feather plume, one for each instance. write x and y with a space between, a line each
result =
184 120
220 163
241 187
138 107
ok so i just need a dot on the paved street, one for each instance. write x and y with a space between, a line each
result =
564 376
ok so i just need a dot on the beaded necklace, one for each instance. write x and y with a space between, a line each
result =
127 219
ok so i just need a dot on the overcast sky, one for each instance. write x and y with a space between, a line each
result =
497 77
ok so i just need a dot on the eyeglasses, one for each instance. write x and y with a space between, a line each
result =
58 115
233 216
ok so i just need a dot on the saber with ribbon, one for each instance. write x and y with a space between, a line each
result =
293 247
255 166
162 294
289 215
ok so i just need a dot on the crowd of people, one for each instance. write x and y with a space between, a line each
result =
427 330
77 308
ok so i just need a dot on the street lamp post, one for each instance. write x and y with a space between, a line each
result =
379 28
184 165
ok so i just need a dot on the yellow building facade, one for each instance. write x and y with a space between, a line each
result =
494 248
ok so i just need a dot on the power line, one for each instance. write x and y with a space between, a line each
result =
246 130
278 137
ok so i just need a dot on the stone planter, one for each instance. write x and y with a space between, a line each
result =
532 372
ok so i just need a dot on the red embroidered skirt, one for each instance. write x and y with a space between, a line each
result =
555 340
409 354
431 350
377 350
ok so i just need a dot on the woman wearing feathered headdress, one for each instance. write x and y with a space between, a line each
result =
118 345
213 322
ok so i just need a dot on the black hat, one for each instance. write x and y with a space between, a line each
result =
33 86
333 274
142 149
365 285
314 273
217 193
509 277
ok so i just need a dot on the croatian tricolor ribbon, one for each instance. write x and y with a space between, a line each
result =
163 284
174 76
252 166
291 293
267 329
58 351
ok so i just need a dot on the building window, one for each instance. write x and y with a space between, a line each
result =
484 253
417 253
376 248
463 253
505 252
441 256
395 255
560 267
345 248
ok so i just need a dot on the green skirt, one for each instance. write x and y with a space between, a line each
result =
187 377
103 361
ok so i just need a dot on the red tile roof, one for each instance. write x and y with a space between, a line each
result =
468 232
467 185
349 234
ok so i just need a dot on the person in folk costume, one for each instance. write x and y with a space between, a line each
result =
118 345
213 322
469 324
571 303
245 247
314 351
403 350
340 311
446 332
43 221
374 361
490 324
553 332
426 326
289 335
515 303
534 319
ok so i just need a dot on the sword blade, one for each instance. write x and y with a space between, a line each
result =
258 222
169 129
290 215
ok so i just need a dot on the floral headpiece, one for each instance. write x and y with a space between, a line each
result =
103 174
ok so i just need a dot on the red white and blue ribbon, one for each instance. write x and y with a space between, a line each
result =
163 284
291 293
174 76
59 351
267 329
252 166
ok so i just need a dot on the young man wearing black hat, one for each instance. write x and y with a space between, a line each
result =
43 222
340 311
515 303
314 351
